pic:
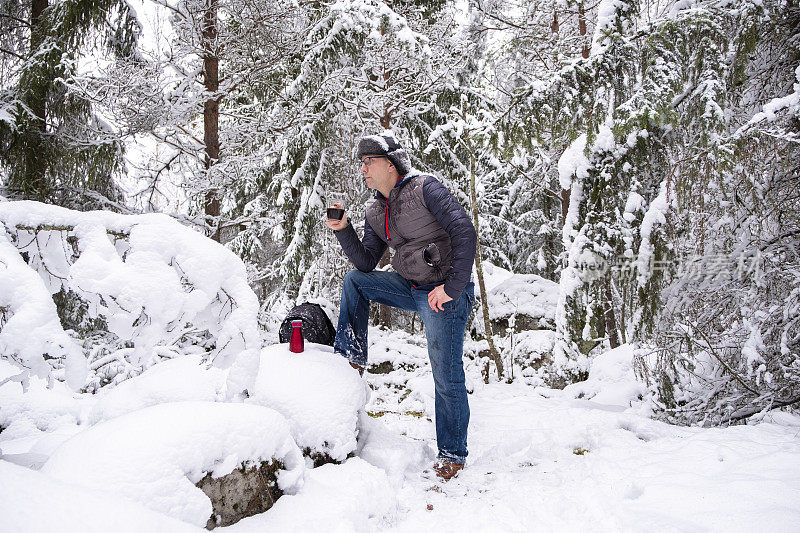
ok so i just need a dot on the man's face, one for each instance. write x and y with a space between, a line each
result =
379 172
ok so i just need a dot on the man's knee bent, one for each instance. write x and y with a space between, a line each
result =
354 278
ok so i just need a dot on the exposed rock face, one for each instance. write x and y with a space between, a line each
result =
242 493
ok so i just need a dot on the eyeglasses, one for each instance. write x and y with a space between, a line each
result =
367 160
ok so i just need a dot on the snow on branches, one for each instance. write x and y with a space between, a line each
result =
29 323
151 286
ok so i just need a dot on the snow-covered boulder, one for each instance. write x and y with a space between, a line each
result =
521 302
354 496
392 350
533 351
612 380
155 456
522 314
318 392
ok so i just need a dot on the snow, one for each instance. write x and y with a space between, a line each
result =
155 455
526 294
611 380
398 457
573 162
533 343
634 204
183 379
150 285
33 327
605 141
539 458
36 420
635 475
493 275
354 496
752 349
607 16
570 229
33 502
317 391
771 109
655 215
124 456
380 140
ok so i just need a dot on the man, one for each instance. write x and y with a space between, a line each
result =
434 248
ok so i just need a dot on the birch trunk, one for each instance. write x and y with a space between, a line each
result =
487 325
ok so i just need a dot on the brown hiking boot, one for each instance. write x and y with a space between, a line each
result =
447 470
357 367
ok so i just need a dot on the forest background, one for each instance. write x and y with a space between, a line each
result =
643 155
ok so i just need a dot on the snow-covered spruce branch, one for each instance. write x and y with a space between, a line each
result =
151 282
60 227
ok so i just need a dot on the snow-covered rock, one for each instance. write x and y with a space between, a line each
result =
318 392
612 380
395 349
533 351
354 496
522 310
156 455
522 302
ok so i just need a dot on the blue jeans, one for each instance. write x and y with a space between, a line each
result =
445 334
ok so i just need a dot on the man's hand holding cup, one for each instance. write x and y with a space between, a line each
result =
337 218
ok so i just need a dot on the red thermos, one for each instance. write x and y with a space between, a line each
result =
296 341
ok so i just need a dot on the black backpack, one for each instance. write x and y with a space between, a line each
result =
317 327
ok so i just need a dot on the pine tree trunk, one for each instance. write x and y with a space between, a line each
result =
554 30
487 325
582 30
211 109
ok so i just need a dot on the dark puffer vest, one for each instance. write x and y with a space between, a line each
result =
432 234
404 222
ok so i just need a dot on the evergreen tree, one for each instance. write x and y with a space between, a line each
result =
53 147
363 67
628 110
726 343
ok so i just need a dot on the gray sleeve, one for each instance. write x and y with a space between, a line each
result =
463 239
364 253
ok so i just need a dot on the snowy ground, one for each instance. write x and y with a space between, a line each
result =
540 459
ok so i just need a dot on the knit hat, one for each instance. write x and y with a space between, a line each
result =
385 144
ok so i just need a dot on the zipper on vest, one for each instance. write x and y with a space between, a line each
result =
388 237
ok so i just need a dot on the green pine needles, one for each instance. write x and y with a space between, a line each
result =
52 145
